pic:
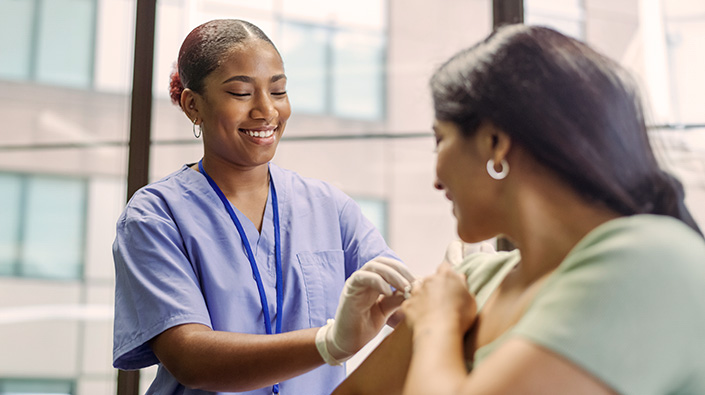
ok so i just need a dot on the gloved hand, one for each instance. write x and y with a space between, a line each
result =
365 304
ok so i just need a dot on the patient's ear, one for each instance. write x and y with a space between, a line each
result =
495 143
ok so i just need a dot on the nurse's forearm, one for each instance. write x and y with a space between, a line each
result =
199 357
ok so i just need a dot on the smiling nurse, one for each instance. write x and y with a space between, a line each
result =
229 270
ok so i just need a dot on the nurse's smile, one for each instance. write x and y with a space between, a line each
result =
262 136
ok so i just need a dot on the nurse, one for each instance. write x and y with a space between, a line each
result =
229 271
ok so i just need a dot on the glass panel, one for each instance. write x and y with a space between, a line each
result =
10 212
169 34
35 387
565 16
360 13
65 42
16 17
376 211
369 14
319 11
73 138
216 5
358 82
54 229
682 153
303 49
684 25
115 31
685 29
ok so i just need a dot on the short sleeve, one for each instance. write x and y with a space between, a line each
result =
156 285
362 241
624 306
485 270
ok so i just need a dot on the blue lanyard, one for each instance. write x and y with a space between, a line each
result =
251 256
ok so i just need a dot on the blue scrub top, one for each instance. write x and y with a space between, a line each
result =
179 259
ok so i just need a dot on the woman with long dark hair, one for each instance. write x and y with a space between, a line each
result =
543 140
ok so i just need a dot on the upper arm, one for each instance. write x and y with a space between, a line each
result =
156 286
392 357
522 367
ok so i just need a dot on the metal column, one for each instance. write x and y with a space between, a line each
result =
505 12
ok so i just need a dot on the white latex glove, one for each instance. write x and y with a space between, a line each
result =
365 304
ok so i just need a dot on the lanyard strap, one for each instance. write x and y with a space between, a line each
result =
251 256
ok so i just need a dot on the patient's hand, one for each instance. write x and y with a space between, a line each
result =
441 299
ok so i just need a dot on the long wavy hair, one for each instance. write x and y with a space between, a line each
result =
576 111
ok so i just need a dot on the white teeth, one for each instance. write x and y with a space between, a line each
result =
265 133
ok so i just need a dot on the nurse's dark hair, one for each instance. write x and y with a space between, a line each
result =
203 50
576 111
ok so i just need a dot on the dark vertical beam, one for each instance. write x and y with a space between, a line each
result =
128 382
140 132
141 108
506 12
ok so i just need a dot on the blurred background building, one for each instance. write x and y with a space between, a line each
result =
358 73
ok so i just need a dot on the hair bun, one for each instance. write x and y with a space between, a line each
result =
176 87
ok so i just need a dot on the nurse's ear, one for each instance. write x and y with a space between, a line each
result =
190 103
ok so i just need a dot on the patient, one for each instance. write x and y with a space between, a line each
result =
543 140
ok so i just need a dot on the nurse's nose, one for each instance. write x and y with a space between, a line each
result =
264 108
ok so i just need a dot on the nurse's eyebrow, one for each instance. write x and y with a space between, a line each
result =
242 78
250 80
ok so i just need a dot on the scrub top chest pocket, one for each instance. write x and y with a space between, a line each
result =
324 277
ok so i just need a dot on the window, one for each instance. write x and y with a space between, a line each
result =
565 16
36 387
374 210
333 71
684 22
10 208
16 21
358 83
681 84
45 229
335 56
52 41
305 52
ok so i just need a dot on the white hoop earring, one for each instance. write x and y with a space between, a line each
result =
494 173
200 131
